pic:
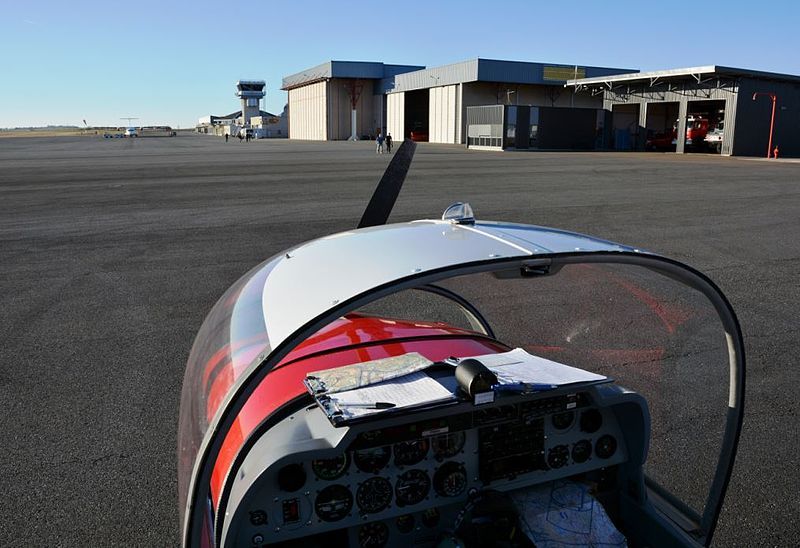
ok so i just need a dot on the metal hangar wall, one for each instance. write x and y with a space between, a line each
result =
432 103
339 99
714 108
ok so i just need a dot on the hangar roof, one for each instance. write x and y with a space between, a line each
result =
494 70
681 73
346 69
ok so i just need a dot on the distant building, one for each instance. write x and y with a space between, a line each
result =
260 123
268 126
340 100
250 92
499 104
719 109
430 103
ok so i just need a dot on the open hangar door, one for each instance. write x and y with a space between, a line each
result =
705 124
417 112
662 124
624 126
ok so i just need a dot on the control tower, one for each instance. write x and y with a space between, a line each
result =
250 92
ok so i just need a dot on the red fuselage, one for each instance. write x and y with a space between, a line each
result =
352 339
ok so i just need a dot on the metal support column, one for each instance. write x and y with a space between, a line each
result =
730 126
683 112
641 134
608 128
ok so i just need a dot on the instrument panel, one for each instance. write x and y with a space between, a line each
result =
403 483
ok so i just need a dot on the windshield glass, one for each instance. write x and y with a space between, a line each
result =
429 304
647 331
231 336
650 333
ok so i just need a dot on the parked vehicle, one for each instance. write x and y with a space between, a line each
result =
714 137
696 130
419 133
661 141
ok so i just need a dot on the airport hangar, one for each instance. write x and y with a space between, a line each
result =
640 107
433 102
504 104
340 100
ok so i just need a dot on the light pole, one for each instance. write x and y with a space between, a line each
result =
772 119
509 93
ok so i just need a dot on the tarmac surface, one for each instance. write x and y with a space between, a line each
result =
113 251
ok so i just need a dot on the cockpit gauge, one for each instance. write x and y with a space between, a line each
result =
333 503
374 495
372 460
431 517
373 535
409 453
591 421
331 469
412 487
562 421
558 456
450 480
405 523
449 445
581 451
605 446
291 477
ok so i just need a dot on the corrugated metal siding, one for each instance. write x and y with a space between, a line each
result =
395 115
509 71
750 134
348 69
682 92
356 69
485 126
487 93
460 114
378 114
520 72
490 114
340 110
493 70
313 74
308 112
443 114
457 73
562 74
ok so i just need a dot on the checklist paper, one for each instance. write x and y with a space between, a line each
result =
517 367
402 392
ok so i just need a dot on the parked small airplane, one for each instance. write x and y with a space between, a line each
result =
460 382
130 131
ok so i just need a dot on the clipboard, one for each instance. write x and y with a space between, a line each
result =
356 375
413 391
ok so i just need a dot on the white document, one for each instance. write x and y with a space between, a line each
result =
350 377
519 367
564 513
406 391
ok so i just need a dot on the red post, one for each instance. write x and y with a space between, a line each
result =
771 120
771 124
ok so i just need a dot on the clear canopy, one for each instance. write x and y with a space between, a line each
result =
652 325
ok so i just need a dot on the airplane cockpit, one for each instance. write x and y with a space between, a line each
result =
455 382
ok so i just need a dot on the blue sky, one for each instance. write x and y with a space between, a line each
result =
173 62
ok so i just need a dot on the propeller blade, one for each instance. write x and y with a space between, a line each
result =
385 195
